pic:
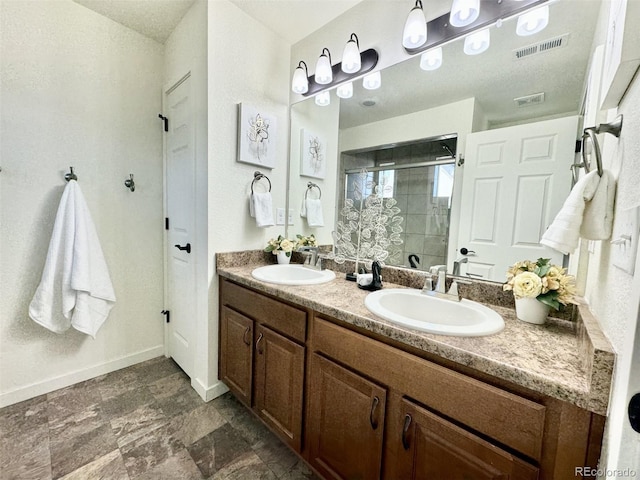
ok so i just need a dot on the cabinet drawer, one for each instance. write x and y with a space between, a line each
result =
281 317
509 419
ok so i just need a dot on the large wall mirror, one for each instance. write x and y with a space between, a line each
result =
477 153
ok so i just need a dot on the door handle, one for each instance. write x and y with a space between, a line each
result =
374 406
187 247
258 349
466 251
405 441
244 337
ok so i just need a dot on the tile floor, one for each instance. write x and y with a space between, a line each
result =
143 422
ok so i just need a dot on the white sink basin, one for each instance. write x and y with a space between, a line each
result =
414 309
292 275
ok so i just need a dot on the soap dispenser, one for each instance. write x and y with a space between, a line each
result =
376 282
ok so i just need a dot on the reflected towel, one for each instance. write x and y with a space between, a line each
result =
75 289
597 222
564 232
314 212
261 208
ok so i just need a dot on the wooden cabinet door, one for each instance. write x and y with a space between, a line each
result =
278 386
430 447
236 353
346 422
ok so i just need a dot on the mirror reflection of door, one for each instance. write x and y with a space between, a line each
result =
515 179
419 176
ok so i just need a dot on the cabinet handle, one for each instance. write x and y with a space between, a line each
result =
258 343
405 429
374 405
244 337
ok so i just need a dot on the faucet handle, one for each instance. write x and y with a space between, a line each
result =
428 283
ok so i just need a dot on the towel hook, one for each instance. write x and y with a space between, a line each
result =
257 176
311 185
70 175
129 183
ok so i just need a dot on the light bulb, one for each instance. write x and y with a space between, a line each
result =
431 59
300 82
323 99
464 12
372 81
415 28
324 73
345 90
351 56
533 21
477 42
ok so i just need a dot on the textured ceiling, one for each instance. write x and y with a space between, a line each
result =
155 19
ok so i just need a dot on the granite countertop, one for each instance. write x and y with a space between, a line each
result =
568 360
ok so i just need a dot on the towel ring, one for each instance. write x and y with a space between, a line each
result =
257 176
70 175
591 134
311 185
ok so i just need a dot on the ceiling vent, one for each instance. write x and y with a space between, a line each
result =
528 100
541 47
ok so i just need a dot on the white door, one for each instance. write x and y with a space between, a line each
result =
180 208
515 182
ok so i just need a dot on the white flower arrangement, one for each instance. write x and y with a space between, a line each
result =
281 244
547 283
286 245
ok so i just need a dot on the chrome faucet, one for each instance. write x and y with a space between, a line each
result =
313 260
440 290
456 265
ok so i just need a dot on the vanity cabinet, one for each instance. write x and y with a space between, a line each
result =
345 422
374 408
262 357
428 447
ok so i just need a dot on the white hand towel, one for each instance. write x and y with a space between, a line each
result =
262 209
75 289
564 231
303 208
314 212
597 222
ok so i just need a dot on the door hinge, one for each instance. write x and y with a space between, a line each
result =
165 120
166 223
167 314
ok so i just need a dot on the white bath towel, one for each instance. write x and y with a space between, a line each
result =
564 232
597 222
313 210
261 208
75 288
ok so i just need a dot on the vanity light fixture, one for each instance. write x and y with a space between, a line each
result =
300 82
464 12
324 73
323 99
431 59
317 83
372 81
351 61
487 13
415 28
345 90
533 21
477 42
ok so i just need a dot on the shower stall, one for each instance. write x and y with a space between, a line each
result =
419 176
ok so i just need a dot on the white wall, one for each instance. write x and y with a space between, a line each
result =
613 294
247 63
77 89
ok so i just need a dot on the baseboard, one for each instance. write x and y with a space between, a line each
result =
50 385
209 393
